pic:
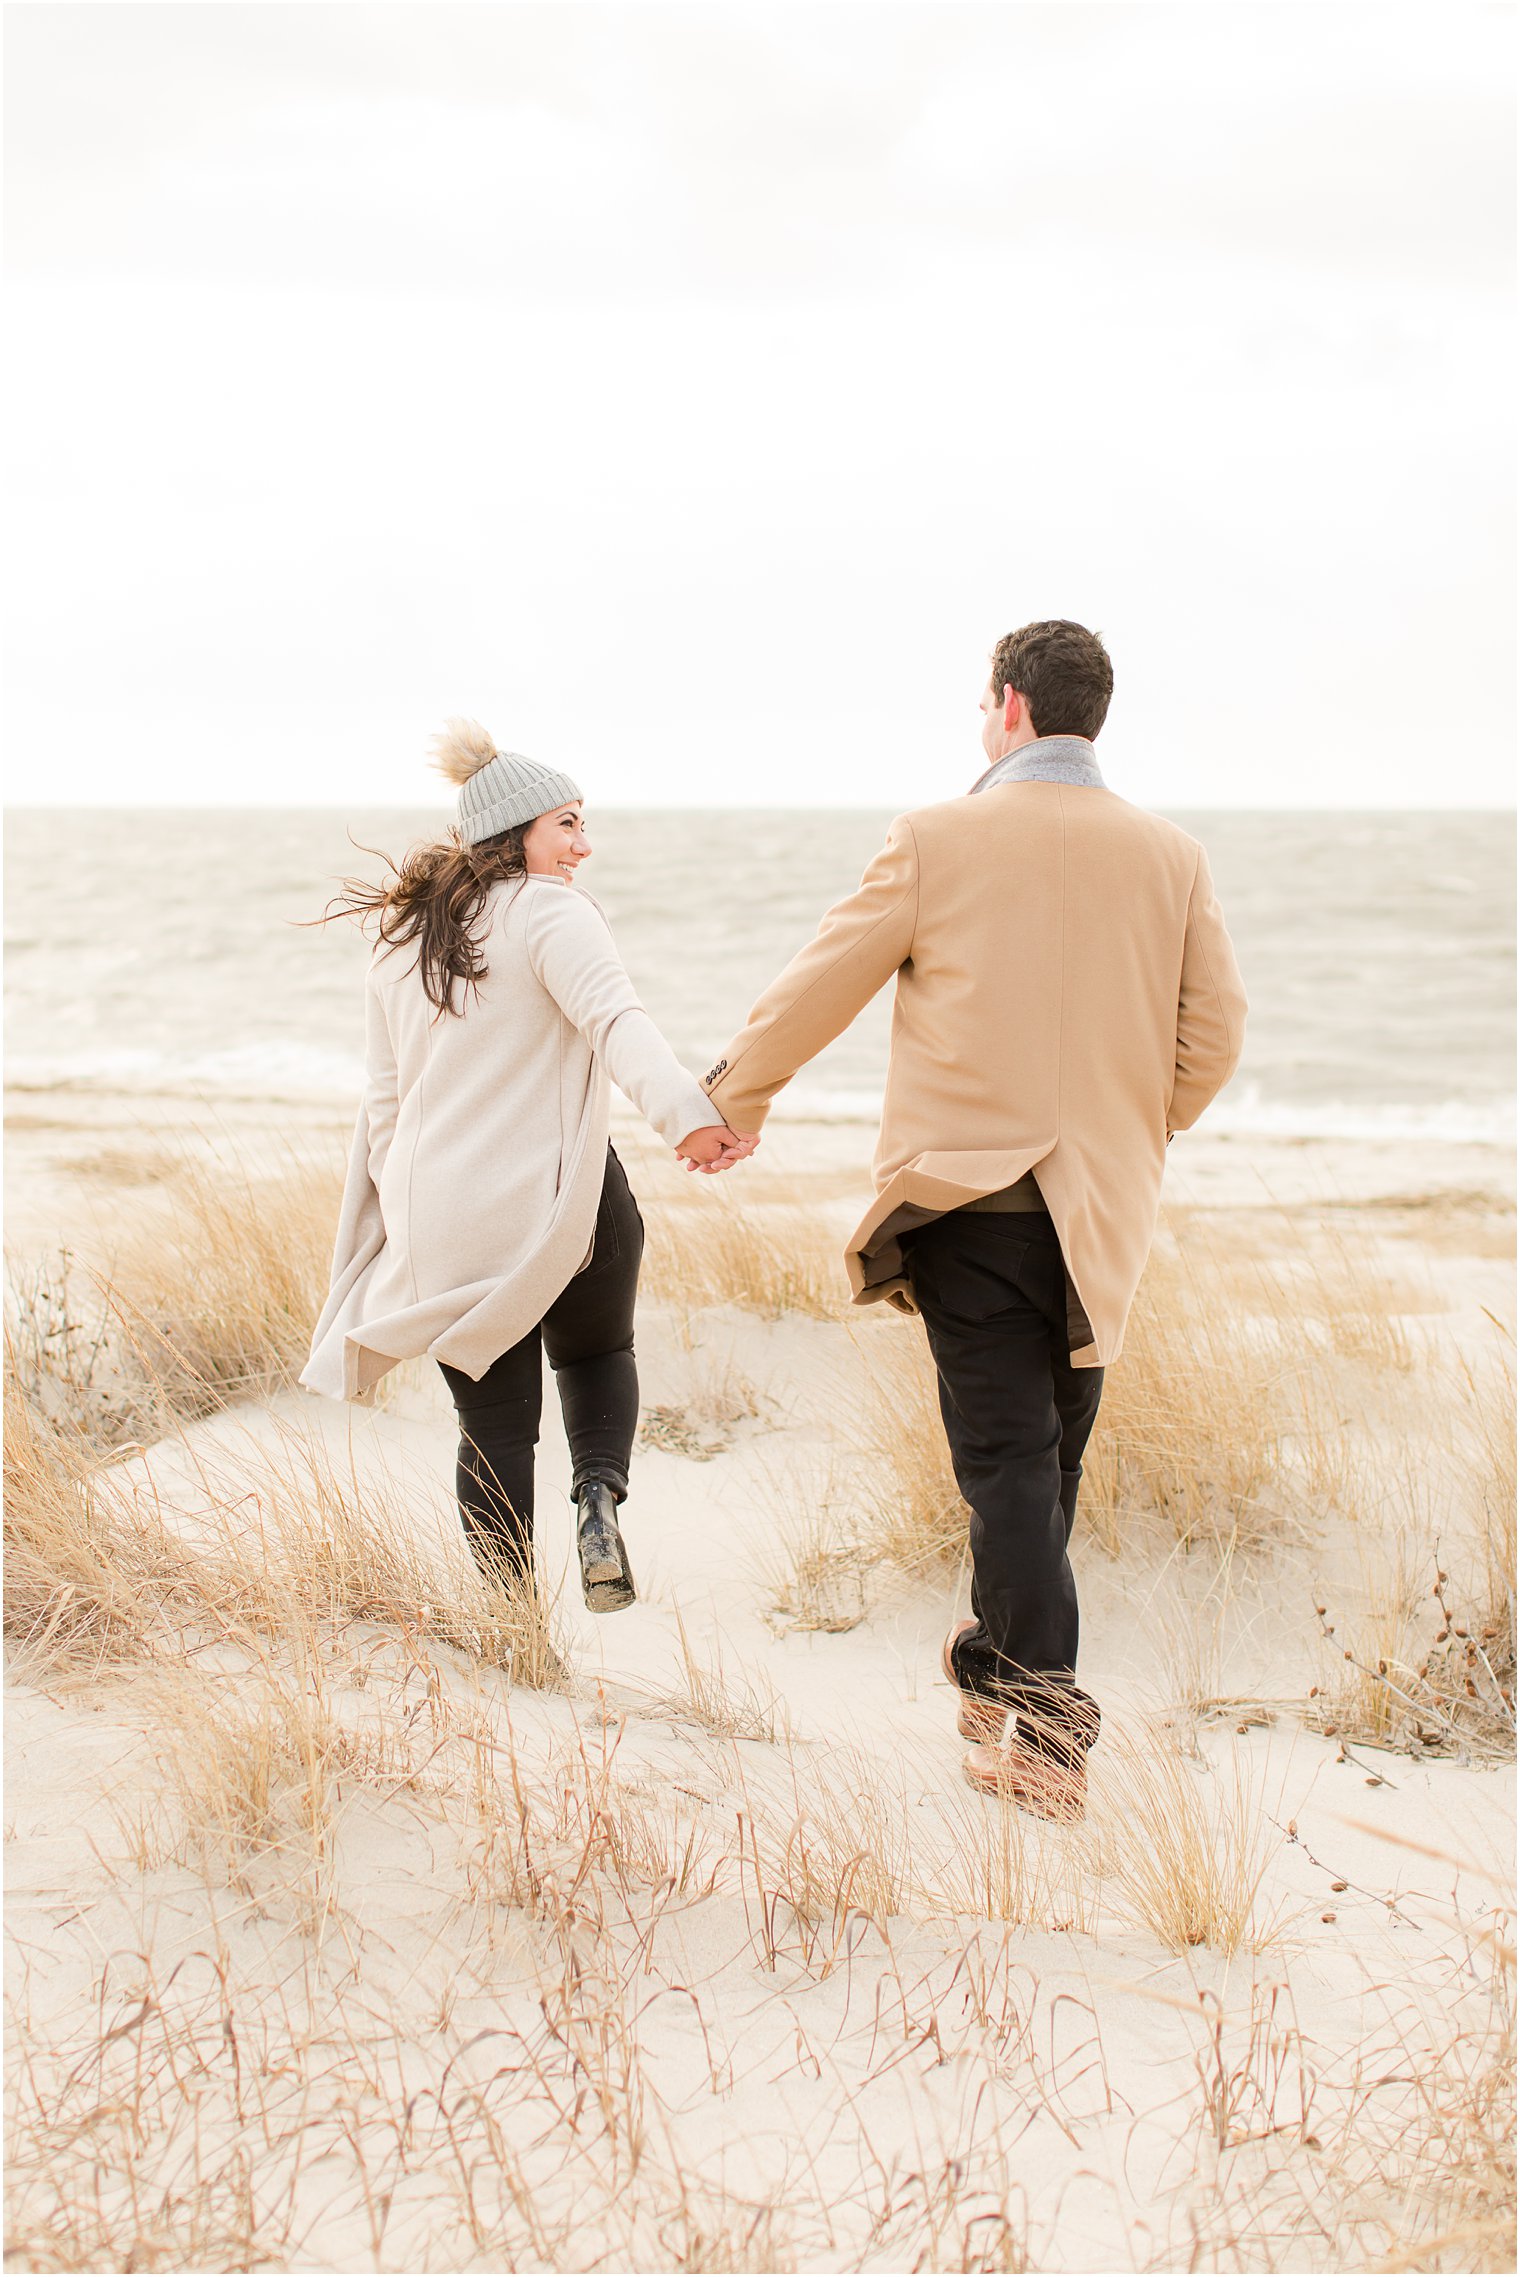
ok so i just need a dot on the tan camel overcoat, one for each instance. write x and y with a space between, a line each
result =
1067 997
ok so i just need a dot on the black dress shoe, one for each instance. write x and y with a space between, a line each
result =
606 1581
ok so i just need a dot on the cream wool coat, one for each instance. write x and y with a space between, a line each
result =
481 1143
1067 997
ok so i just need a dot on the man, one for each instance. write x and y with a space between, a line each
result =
1066 999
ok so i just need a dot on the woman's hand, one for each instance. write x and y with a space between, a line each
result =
715 1148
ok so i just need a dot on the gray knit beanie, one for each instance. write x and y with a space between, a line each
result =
497 789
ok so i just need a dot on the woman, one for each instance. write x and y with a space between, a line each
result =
486 1218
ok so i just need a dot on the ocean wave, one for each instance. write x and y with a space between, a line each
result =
296 1071
243 1071
1458 1121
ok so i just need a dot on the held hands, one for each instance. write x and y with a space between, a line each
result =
715 1148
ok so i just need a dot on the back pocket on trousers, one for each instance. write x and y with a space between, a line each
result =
605 1246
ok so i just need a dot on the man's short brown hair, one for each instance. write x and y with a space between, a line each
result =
1062 672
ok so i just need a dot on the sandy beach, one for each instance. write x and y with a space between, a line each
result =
688 456
700 451
349 1931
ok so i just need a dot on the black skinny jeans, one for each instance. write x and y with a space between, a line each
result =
992 1291
588 1335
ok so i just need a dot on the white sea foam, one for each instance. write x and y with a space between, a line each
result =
1460 1122
306 1073
243 1071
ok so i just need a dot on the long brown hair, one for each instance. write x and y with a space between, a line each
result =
435 898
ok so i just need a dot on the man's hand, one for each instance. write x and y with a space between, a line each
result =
715 1148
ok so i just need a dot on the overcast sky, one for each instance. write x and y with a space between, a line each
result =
694 393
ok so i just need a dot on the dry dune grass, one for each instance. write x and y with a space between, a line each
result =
1425 1661
921 1519
824 1851
1404 2144
285 1540
717 1400
1356 1307
220 1305
1197 1846
1191 1440
817 1553
89 1574
209 1297
1261 1408
1191 1446
1219 1428
728 1706
1169 1461
1370 1676
1202 1433
771 1260
1177 1847
510 2089
511 2095
1214 1432
254 1776
276 1556
312 1537
998 1865
464 1976
628 2193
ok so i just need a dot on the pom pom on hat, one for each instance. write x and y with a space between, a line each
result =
462 749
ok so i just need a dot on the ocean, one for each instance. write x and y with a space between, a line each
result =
166 952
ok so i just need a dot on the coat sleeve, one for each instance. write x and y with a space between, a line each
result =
1211 1007
862 941
571 949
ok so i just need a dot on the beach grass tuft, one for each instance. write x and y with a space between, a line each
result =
208 1296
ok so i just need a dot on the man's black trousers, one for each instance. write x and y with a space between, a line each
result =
588 1335
992 1290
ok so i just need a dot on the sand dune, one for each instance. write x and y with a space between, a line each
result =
358 1919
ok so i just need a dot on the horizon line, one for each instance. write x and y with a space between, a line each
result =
688 805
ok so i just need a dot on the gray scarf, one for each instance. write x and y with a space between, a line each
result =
1049 759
